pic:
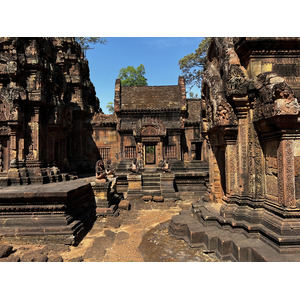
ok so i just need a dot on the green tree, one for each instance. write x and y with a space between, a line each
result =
192 95
131 76
110 107
192 64
86 42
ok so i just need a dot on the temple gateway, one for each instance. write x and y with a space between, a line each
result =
152 124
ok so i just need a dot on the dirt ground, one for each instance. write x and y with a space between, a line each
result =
138 235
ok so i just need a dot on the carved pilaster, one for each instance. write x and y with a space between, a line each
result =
286 173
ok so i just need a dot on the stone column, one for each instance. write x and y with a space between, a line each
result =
134 191
102 198
167 186
215 178
13 172
286 173
33 158
13 145
230 139
242 108
230 168
178 146
159 155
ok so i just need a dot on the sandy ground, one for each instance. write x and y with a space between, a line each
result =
138 235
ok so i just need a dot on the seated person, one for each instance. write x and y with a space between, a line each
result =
166 166
134 166
100 171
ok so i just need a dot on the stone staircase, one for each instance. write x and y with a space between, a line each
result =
123 166
197 166
215 234
151 184
155 184
177 166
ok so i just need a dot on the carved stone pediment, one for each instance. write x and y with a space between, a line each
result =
149 131
150 127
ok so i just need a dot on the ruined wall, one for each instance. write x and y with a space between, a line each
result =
47 102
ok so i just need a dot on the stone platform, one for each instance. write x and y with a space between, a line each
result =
55 212
229 239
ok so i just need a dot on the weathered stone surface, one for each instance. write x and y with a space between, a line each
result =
36 256
147 198
77 259
5 250
54 258
46 100
68 211
252 113
124 204
158 198
11 258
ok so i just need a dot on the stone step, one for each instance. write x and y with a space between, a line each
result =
150 175
150 170
151 188
151 192
151 182
227 244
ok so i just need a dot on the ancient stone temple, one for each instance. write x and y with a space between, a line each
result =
46 103
151 123
154 124
251 211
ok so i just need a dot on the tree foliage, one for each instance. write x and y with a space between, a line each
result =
192 64
86 42
110 107
131 76
193 96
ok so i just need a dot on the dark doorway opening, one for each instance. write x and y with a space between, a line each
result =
150 154
4 154
198 151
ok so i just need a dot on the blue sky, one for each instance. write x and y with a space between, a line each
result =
159 55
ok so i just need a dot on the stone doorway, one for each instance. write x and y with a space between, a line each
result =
150 154
197 148
4 154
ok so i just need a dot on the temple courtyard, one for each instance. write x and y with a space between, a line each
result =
136 235
164 177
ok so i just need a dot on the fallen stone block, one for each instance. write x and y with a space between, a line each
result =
34 257
124 204
158 198
147 198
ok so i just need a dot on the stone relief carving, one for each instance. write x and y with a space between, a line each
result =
4 130
275 97
150 127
